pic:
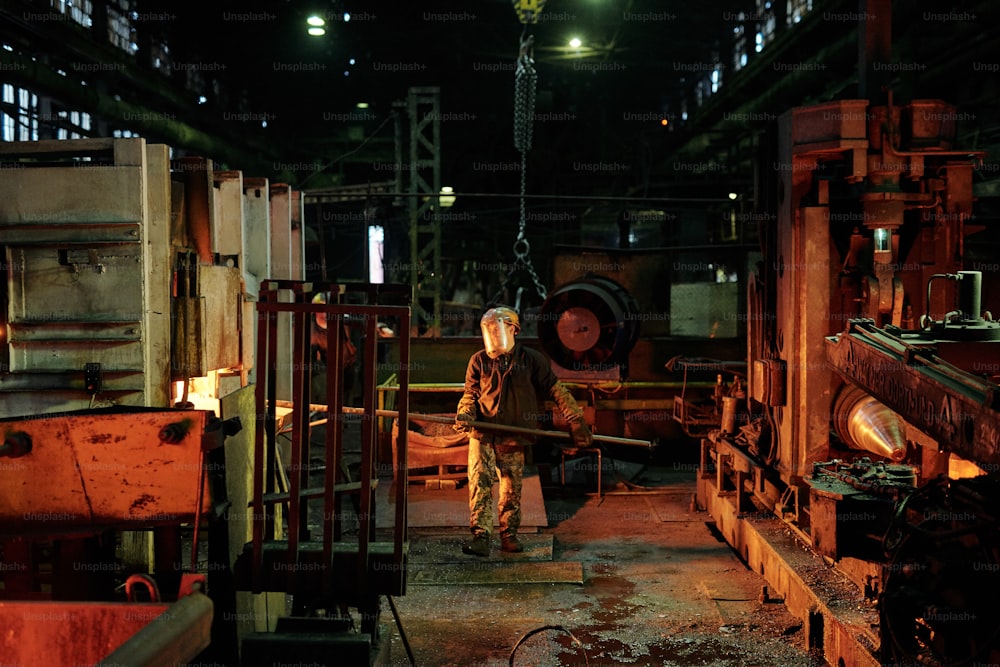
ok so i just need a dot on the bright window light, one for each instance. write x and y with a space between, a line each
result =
376 242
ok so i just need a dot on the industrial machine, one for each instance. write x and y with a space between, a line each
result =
588 327
156 359
112 307
865 424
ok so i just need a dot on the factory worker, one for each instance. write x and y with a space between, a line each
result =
503 383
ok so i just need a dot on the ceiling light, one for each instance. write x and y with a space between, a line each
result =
446 197
317 32
315 20
575 42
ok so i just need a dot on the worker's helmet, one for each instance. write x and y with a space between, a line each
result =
499 326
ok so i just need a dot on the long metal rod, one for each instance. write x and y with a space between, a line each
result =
399 530
486 426
446 387
318 194
332 452
174 637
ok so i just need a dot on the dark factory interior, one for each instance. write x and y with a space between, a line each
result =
527 332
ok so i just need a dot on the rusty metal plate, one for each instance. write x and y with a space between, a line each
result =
831 121
101 469
69 633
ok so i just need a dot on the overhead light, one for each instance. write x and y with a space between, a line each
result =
315 20
575 42
317 32
446 198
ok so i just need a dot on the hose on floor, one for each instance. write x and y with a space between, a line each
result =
559 628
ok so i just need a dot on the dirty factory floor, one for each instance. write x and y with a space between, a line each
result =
634 576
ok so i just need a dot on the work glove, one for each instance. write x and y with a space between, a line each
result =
582 437
463 422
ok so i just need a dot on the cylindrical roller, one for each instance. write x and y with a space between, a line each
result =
970 285
589 324
729 404
863 422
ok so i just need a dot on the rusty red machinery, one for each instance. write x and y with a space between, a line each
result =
73 480
126 361
865 425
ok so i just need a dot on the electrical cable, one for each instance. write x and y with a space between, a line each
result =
543 628
402 633
348 153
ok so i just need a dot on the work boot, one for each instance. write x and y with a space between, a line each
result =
511 544
479 545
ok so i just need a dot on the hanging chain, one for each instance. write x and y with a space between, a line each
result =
525 80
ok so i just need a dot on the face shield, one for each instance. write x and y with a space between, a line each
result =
499 327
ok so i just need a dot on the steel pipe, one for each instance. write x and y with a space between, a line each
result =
174 637
486 426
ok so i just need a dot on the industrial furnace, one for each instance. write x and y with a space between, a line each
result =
137 290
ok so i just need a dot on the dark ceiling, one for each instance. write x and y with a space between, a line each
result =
593 102
599 107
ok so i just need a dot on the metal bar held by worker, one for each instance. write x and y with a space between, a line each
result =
486 426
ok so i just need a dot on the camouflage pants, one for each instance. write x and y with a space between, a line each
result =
485 461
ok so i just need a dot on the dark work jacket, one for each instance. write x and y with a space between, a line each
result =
506 391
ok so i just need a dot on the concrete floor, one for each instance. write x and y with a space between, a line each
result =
655 586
